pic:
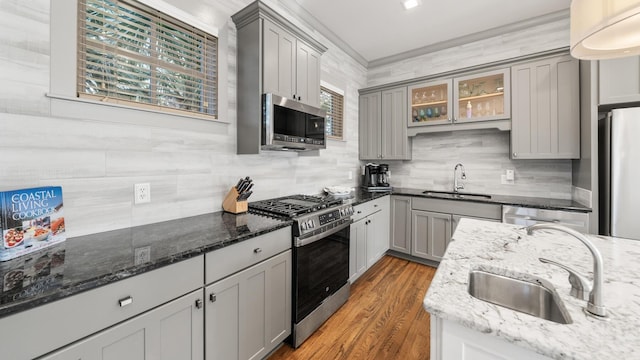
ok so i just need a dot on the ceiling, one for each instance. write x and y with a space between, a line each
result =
378 29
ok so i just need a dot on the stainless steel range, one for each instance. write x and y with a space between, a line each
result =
321 228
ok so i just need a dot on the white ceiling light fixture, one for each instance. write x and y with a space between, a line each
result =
410 4
605 29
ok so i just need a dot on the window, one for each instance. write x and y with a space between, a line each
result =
332 103
131 54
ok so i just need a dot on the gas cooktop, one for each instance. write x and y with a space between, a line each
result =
293 205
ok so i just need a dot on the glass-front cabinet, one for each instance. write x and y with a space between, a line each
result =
478 97
481 97
430 103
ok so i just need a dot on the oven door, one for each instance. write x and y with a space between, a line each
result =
321 268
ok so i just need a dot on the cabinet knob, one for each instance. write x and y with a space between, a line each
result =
515 154
257 250
126 301
212 297
299 98
454 119
199 304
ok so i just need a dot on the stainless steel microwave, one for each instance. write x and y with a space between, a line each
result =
291 125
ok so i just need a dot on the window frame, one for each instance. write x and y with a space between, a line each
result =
334 91
63 78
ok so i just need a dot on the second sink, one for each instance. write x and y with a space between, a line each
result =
534 297
455 195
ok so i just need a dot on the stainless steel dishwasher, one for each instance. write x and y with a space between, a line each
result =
526 216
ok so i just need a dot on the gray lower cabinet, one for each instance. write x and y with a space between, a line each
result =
248 314
369 237
431 234
545 121
383 127
433 222
400 239
172 331
619 80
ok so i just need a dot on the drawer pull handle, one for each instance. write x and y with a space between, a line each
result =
257 250
198 304
126 301
212 297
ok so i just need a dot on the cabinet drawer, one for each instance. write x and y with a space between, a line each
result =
45 328
468 208
233 258
365 209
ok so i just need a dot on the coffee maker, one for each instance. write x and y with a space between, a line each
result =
376 177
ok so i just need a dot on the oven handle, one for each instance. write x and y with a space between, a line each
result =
297 242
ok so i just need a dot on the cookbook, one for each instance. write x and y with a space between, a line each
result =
30 219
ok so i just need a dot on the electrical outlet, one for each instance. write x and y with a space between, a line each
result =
142 193
510 174
142 255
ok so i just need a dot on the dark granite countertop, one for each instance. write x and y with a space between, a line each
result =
360 196
542 203
87 262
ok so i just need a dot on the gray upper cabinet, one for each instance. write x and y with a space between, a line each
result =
274 56
307 74
546 109
291 67
619 80
383 129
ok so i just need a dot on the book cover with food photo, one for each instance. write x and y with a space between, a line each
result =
30 219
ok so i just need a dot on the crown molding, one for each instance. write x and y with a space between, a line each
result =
305 16
481 35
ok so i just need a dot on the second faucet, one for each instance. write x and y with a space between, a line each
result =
463 176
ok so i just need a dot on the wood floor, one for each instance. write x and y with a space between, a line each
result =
383 318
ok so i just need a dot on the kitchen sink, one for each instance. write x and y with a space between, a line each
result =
533 296
455 195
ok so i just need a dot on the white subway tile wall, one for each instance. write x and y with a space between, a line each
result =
97 160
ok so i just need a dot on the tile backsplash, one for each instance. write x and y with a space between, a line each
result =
485 156
97 159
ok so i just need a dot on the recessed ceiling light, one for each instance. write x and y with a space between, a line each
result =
410 4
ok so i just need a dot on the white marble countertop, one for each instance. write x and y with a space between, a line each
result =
507 249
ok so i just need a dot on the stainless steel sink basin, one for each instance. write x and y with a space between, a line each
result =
455 195
536 297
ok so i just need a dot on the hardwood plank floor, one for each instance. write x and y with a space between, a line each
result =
383 318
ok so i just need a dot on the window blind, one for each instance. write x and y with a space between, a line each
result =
131 54
332 103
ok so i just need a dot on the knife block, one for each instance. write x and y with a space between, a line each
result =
231 203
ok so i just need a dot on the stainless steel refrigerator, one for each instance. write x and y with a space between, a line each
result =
619 173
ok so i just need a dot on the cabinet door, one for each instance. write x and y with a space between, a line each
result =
171 331
377 237
430 103
357 249
395 141
307 75
248 314
481 97
278 299
369 137
279 66
222 319
431 234
619 80
400 239
546 109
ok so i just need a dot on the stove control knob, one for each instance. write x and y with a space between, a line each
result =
310 224
303 225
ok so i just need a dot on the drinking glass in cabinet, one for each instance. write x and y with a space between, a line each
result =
429 103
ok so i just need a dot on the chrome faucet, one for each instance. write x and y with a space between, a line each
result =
595 304
463 176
